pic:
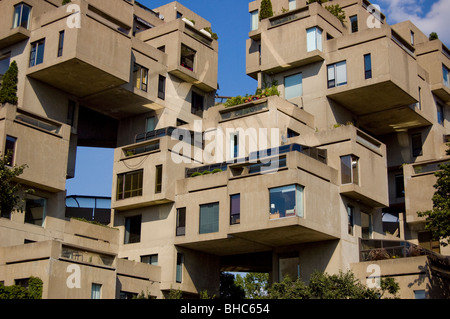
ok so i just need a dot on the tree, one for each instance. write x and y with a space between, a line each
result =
255 285
438 219
266 10
8 91
9 190
34 290
337 11
433 36
228 288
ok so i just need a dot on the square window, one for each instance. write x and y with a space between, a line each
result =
37 52
286 201
337 74
35 210
129 184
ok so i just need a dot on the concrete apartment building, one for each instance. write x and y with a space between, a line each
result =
294 183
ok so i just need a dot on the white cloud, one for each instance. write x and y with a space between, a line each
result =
435 20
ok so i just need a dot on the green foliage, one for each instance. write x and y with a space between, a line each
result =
318 1
268 89
337 11
438 219
9 190
255 285
175 294
325 286
64 2
204 295
8 91
217 170
213 34
433 36
34 290
229 290
266 10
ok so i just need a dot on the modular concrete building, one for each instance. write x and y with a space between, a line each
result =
349 123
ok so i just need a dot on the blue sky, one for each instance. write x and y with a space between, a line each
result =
231 21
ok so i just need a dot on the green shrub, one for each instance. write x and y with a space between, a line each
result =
266 10
217 170
8 92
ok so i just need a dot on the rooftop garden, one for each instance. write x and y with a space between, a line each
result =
266 91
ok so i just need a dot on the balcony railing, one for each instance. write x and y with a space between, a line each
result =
377 249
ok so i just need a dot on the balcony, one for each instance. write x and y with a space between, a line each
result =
81 61
192 54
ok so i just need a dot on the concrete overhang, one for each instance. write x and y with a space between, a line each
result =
14 36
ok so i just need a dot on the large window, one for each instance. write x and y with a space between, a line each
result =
235 209
22 13
209 218
37 52
254 21
368 66
337 74
187 57
349 169
35 210
293 86
445 73
181 222
129 184
133 229
314 39
286 201
140 77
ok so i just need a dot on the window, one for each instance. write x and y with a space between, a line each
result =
337 74
129 184
419 103
349 170
197 104
140 25
22 13
150 124
234 145
187 57
37 52
133 229
254 22
292 4
162 87
158 179
440 113
350 214
140 77
10 147
286 201
179 15
366 226
416 141
420 294
181 222
314 39
292 133
150 259
235 209
209 218
412 38
179 269
445 73
61 43
293 86
399 186
96 291
35 210
4 64
368 66
427 241
354 23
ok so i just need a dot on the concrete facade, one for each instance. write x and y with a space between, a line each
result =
284 184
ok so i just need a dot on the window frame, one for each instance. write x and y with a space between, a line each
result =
129 236
181 222
294 89
446 75
314 39
122 184
416 150
179 268
162 87
353 169
235 212
37 51
29 217
140 77
189 57
158 179
440 113
299 207
19 21
209 227
254 20
354 23
96 291
367 66
11 146
350 219
333 82
61 43
197 104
